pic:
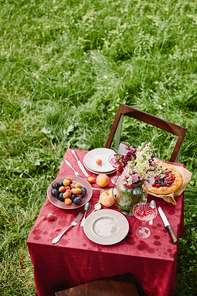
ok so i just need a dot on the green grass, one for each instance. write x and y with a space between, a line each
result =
65 67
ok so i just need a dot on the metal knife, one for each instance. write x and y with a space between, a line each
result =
80 164
167 225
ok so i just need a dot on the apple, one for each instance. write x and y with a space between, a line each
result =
102 180
106 198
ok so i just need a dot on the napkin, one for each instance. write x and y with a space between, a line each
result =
170 198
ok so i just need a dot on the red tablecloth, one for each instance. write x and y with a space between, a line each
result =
76 260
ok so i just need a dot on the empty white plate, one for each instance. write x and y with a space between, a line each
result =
106 227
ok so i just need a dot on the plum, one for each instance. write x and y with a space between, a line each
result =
83 191
55 192
55 185
61 183
77 201
73 196
61 197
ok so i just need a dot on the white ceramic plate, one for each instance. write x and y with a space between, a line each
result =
97 173
106 227
56 202
91 157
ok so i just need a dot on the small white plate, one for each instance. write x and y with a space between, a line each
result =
106 227
91 157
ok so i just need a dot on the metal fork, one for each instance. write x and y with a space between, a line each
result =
74 223
75 172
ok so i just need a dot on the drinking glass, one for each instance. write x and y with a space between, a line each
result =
113 161
144 212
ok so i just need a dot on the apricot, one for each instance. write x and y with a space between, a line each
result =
77 185
68 201
67 188
62 189
99 161
102 180
69 178
90 180
67 194
76 191
50 217
106 198
66 182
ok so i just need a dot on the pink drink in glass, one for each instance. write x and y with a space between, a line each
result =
145 213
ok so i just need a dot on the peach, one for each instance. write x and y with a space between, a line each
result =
102 180
90 180
106 198
99 161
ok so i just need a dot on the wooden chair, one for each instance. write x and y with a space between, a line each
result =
150 119
119 285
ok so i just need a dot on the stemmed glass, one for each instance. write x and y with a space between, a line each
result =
113 161
145 213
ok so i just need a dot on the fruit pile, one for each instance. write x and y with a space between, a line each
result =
68 191
165 179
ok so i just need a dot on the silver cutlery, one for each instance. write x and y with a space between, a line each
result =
97 206
75 172
74 223
80 164
86 209
153 206
167 225
97 188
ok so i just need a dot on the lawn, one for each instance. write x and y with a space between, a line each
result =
65 68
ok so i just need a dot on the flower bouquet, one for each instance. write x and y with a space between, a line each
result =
138 170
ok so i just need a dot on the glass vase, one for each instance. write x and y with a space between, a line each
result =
126 198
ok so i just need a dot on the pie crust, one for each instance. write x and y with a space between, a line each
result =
176 185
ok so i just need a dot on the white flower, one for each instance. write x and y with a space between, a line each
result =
140 168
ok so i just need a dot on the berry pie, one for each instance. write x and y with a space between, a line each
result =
167 182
